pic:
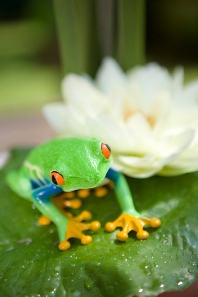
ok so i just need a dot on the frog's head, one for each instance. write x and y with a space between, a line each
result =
77 163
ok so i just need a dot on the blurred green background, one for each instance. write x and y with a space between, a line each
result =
30 67
29 60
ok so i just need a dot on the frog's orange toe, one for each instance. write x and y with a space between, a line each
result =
64 245
44 221
122 235
83 193
85 215
100 192
69 195
86 240
75 203
154 223
94 226
142 234
110 227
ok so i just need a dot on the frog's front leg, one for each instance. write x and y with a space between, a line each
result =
67 226
130 219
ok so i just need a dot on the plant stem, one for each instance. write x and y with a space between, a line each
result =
76 23
130 44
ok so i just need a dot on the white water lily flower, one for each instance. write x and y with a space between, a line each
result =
147 116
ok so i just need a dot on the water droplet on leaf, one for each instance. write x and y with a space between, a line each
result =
140 290
88 284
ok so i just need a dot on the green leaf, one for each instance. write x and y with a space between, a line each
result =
32 265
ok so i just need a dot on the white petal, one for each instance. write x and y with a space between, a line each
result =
55 114
140 127
136 162
173 145
109 130
187 96
186 162
138 123
83 95
145 166
178 77
187 117
117 101
135 95
177 85
135 171
190 94
110 75
152 79
160 106
64 119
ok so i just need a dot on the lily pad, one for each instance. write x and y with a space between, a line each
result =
32 265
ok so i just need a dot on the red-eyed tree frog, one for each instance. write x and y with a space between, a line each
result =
64 165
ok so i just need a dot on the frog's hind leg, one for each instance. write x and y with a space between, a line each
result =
20 184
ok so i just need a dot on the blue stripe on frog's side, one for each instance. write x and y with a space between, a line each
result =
113 175
45 192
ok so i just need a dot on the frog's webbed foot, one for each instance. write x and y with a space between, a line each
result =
75 228
128 223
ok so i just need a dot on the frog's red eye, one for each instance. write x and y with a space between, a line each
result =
57 178
106 150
